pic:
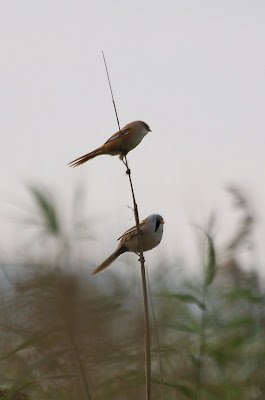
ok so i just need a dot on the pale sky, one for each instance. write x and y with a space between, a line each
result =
193 70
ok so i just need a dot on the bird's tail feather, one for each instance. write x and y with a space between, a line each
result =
109 260
86 157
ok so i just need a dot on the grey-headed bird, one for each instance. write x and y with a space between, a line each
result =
151 231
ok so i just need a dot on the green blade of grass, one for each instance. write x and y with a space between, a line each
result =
211 262
184 389
22 346
181 327
246 294
186 298
47 209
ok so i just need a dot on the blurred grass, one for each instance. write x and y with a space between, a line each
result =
50 317
67 335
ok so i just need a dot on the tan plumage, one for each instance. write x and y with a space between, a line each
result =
118 144
151 230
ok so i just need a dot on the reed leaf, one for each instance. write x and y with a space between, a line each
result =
32 367
47 209
211 262
184 297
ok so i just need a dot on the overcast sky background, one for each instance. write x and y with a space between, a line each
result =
194 71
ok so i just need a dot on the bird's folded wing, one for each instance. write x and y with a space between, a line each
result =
132 231
119 134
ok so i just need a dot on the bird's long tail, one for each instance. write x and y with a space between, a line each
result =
110 260
86 157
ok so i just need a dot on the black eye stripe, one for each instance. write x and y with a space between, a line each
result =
157 224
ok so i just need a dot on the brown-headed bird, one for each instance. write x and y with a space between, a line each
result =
118 144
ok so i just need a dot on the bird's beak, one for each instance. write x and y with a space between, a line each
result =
150 130
162 222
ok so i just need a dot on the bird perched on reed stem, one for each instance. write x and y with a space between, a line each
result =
118 144
151 231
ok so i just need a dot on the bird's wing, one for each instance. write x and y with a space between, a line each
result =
118 135
131 232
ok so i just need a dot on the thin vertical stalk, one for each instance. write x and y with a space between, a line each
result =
143 273
202 347
157 340
210 271
80 365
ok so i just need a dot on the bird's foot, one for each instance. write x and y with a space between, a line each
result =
140 258
128 171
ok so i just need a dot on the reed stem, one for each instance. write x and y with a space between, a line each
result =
143 273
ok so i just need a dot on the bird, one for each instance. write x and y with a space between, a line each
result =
118 144
151 231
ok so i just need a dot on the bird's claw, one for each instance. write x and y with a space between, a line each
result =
128 171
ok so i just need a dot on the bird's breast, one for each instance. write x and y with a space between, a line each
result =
149 240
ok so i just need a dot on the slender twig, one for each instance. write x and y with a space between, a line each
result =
228 386
157 339
80 365
143 273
